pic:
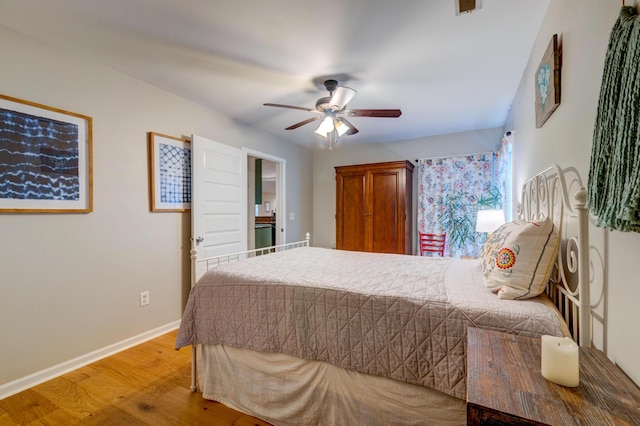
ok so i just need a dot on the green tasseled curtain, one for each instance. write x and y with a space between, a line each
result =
614 172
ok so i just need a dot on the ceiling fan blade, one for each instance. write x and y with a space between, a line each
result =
341 97
287 106
302 123
392 113
352 129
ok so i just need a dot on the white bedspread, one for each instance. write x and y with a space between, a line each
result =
402 317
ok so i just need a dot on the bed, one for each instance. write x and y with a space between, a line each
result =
318 336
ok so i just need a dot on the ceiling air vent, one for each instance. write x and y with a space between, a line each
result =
467 6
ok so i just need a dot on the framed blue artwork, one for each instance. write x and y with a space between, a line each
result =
45 159
170 173
547 81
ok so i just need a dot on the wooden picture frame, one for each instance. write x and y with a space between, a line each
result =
547 82
169 173
45 159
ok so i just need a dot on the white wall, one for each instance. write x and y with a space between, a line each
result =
324 184
69 283
584 27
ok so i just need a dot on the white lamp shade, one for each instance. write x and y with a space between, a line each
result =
325 127
341 128
341 97
489 220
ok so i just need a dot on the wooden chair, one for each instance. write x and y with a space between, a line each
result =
432 243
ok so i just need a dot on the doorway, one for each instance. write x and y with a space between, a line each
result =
266 199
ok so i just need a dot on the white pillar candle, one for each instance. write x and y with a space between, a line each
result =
559 361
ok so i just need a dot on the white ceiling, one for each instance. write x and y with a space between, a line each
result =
446 73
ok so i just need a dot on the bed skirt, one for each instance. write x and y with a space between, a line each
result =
285 390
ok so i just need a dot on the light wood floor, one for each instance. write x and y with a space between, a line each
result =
145 385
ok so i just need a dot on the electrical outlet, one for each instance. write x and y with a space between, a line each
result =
144 298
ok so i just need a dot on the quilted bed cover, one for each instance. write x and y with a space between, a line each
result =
402 317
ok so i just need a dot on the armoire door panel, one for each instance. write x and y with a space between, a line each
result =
354 211
384 208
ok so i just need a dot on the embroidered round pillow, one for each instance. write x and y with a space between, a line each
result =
518 257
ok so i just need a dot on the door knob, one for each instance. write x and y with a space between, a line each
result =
199 240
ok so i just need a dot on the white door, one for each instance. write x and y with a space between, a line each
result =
218 200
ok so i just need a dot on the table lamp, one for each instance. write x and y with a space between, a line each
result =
489 220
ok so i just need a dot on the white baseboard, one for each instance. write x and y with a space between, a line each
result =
26 382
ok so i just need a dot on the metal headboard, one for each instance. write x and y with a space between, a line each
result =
548 195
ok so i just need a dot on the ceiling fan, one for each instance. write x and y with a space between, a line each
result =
333 111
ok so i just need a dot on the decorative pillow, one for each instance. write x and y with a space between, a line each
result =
518 257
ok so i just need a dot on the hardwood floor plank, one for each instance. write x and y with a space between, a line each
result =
57 418
80 374
144 408
5 420
179 406
154 358
72 398
139 378
107 387
111 415
144 385
27 406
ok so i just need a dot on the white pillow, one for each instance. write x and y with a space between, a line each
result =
518 257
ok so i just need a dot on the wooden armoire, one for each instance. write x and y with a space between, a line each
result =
374 206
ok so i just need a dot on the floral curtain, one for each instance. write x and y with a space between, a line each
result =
449 191
502 176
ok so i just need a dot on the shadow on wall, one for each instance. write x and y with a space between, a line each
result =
185 264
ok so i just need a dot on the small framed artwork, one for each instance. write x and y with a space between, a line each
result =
547 81
45 159
170 173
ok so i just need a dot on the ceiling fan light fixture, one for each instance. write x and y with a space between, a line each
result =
325 126
341 127
333 112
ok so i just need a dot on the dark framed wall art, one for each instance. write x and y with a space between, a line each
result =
45 159
547 81
170 173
